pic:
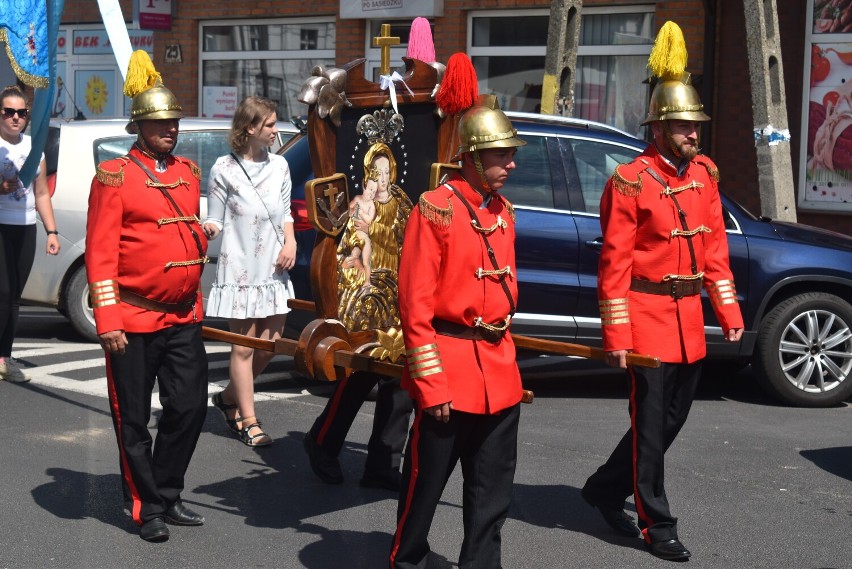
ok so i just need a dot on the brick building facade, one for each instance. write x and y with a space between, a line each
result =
714 30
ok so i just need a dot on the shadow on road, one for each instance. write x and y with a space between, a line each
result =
561 506
76 495
836 460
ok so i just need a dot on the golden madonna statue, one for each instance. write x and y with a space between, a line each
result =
368 253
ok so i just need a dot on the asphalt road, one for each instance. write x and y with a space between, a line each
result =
755 485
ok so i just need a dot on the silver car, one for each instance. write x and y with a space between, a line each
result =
73 150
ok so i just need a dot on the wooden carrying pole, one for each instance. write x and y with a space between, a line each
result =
342 358
566 349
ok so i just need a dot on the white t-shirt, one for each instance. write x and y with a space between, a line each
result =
17 208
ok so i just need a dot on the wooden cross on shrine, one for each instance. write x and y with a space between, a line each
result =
385 41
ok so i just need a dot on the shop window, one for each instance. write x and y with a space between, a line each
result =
508 49
271 60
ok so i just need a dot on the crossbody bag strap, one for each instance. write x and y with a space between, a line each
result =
168 196
682 215
268 215
488 248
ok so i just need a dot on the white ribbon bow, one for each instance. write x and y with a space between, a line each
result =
387 83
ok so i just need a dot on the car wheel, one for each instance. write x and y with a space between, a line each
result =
805 350
78 307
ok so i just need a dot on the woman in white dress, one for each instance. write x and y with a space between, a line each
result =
248 201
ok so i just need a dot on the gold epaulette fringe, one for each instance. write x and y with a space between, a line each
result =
714 172
509 208
193 167
624 186
437 215
107 178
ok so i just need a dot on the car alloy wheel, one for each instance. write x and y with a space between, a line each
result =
805 350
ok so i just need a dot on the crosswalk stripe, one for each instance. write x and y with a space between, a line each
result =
48 375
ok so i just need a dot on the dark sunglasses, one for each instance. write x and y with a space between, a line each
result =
9 113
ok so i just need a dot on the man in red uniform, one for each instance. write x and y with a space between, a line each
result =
456 303
664 238
145 251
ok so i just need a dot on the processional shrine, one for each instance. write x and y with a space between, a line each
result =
360 132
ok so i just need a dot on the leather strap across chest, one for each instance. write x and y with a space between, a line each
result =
488 248
168 196
682 215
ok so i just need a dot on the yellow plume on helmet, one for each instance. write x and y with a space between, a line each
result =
141 74
668 57
673 97
150 100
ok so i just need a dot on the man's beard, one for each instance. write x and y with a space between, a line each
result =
683 150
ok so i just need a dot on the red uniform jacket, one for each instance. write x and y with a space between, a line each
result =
134 241
438 279
644 238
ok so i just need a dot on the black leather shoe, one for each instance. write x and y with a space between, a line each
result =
154 531
615 518
385 479
180 515
326 467
670 550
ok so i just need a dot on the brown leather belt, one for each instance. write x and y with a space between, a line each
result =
456 330
146 303
675 288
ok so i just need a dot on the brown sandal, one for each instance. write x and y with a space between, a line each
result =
252 440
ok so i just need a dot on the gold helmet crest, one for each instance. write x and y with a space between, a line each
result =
673 98
486 126
150 100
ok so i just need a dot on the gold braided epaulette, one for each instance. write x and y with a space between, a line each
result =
441 216
712 170
109 178
509 207
624 186
193 167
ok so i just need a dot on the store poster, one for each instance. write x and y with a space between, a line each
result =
828 113
94 93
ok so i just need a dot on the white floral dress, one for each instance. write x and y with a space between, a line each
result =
251 215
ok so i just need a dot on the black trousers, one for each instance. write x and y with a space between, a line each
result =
390 423
175 358
487 446
660 400
17 251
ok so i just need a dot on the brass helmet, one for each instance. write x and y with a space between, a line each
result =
150 100
485 126
673 98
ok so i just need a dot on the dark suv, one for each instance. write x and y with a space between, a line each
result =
794 282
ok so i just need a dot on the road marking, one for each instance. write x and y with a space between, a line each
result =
48 375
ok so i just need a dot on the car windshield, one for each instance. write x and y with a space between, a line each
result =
202 147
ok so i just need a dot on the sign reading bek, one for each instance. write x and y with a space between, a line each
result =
375 9
96 42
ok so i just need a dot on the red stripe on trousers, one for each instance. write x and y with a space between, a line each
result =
332 411
136 509
640 509
412 482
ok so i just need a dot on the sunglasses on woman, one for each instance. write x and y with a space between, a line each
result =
9 112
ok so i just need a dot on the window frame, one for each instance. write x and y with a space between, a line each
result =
277 55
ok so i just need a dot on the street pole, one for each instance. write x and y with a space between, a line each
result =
769 108
560 66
